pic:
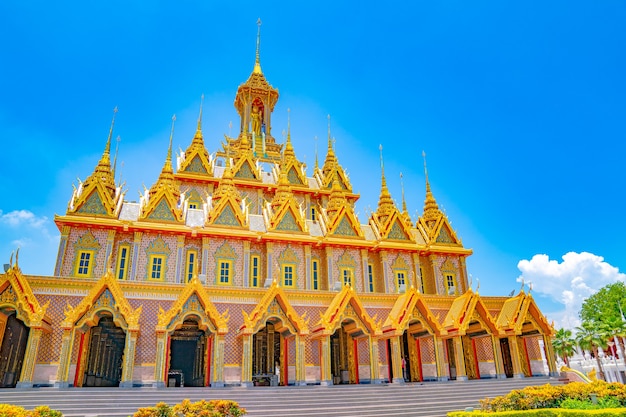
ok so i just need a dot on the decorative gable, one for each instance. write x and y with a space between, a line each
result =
161 212
93 205
227 217
288 223
345 306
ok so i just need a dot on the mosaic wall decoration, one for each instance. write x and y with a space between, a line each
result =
93 205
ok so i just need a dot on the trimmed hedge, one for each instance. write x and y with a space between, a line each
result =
546 412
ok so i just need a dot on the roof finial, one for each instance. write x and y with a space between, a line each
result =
382 164
316 163
425 168
117 145
404 210
257 62
200 115
168 160
330 145
431 209
107 149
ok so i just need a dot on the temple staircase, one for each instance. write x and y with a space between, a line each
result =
431 399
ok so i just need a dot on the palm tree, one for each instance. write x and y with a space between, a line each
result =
590 336
616 329
564 344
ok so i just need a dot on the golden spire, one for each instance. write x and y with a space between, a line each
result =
385 202
257 61
431 209
117 145
316 164
103 169
404 210
289 153
168 160
198 136
331 161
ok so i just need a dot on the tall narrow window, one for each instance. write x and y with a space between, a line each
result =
370 277
315 266
255 270
122 261
421 280
224 271
400 280
313 214
288 275
450 284
346 274
157 267
192 259
84 263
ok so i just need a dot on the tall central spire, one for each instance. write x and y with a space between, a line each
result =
257 61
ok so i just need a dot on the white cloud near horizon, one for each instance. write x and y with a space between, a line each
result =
569 282
17 218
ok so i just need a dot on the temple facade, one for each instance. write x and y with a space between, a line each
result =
240 267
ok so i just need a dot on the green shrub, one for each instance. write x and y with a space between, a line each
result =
202 408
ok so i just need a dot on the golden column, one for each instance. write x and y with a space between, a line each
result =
218 361
129 358
160 378
63 370
396 360
300 370
374 365
461 372
28 367
246 363
325 374
497 358
442 372
550 357
515 358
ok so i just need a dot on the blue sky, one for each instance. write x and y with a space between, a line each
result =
519 106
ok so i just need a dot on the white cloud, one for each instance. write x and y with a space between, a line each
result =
569 282
19 218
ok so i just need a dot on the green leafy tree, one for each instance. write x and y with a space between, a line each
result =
606 304
591 336
564 344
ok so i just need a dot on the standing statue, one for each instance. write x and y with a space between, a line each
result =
256 120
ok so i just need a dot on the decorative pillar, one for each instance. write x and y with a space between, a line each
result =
160 378
65 232
442 373
218 361
246 361
463 274
374 365
28 366
515 358
383 263
109 250
246 263
364 273
396 360
133 265
300 369
550 357
329 269
461 372
416 270
435 281
326 378
129 358
269 251
64 361
307 268
497 358
180 259
205 257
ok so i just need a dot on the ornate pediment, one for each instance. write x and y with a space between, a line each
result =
409 307
274 304
346 306
194 299
465 309
107 295
16 293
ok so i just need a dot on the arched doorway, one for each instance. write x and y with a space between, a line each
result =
189 355
344 353
105 349
267 354
13 342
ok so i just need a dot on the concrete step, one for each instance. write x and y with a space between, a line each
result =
414 400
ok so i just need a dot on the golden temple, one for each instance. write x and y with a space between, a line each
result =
241 268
